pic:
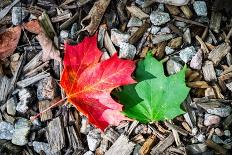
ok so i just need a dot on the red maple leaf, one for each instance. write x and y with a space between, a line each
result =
88 82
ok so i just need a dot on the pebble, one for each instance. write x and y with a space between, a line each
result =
201 138
164 30
155 29
187 53
217 139
194 131
196 148
180 24
160 7
136 149
118 37
169 50
64 35
173 66
200 8
196 61
134 22
25 97
187 36
211 119
93 139
88 153
46 89
41 146
222 111
6 130
159 17
22 128
11 106
218 132
227 133
161 37
127 51
18 15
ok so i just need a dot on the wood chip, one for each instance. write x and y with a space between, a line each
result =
208 71
137 12
148 144
42 106
139 33
216 147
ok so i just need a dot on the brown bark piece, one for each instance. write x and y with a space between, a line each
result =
148 144
208 71
42 106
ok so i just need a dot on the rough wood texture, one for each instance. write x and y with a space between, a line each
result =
4 88
121 146
208 71
218 53
137 12
139 33
73 138
42 106
55 135
216 147
163 145
215 21
148 144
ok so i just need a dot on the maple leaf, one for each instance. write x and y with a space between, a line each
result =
156 97
88 82
9 41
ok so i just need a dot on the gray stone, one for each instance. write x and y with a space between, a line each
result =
64 35
41 146
161 37
180 24
173 66
74 30
196 61
187 53
22 107
196 148
211 119
46 89
11 106
6 130
164 30
169 50
88 153
200 138
227 133
118 37
221 111
200 8
93 139
25 97
160 7
217 139
22 128
134 21
18 15
136 149
127 51
159 18
155 30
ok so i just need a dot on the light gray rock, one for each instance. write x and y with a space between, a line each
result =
200 138
136 149
173 66
164 30
93 139
169 50
118 37
46 89
196 61
196 148
159 17
200 8
155 30
6 130
74 30
127 51
134 21
22 128
227 133
25 97
187 53
217 139
211 119
161 37
41 146
88 153
11 106
64 35
18 15
221 111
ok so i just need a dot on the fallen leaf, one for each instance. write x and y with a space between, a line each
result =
49 50
88 82
156 97
33 27
9 41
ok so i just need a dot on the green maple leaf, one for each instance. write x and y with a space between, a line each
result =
156 97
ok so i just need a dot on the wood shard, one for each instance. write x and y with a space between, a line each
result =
4 88
216 147
208 71
218 53
55 135
42 106
137 12
148 144
163 145
139 33
121 146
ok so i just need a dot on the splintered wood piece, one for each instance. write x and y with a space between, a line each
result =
177 128
37 69
122 146
42 106
111 135
46 24
35 62
188 21
163 145
108 44
203 46
4 88
227 122
198 84
137 12
103 147
148 144
55 135
139 33
208 71
73 138
138 139
218 53
187 12
215 21
216 147
63 16
174 10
